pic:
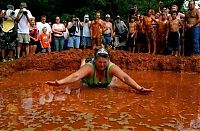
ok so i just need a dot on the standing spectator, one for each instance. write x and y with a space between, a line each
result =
96 31
58 29
33 36
120 33
161 33
74 32
174 35
8 34
132 12
193 29
66 35
180 15
23 20
108 31
40 25
150 31
45 40
141 37
132 33
86 37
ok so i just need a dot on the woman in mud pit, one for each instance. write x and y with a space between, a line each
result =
99 72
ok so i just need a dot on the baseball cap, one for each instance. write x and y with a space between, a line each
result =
107 15
11 7
118 16
86 16
23 5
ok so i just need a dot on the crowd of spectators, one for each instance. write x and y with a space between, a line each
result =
166 32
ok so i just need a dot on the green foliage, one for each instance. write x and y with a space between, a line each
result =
65 8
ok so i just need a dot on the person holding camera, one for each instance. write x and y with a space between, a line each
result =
86 37
74 32
23 16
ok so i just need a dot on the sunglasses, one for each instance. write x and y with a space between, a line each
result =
102 55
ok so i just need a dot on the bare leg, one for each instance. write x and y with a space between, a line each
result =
27 49
149 46
3 53
18 50
154 47
11 52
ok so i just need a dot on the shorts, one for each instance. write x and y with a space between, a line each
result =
32 42
131 41
173 41
7 40
86 41
107 38
23 38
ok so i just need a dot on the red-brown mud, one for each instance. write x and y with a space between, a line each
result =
70 60
27 103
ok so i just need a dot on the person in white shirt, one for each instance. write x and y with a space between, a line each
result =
86 37
40 25
58 30
23 19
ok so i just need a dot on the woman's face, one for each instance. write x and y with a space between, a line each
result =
101 63
57 20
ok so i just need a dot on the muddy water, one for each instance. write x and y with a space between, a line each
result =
26 103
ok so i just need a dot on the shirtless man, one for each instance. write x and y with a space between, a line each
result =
149 30
132 30
108 31
174 35
192 26
141 37
162 33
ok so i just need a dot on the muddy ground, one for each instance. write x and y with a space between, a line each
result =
70 60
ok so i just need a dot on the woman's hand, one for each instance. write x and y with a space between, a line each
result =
52 83
143 90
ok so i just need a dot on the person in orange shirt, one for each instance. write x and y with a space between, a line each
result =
96 29
45 41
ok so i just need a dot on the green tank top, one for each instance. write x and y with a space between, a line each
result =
93 82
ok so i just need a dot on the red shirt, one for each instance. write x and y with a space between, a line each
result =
44 40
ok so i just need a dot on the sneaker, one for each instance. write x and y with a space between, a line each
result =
3 60
11 59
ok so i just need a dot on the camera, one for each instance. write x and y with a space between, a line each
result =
10 12
24 10
76 19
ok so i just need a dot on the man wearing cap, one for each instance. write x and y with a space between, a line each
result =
99 73
120 33
86 37
108 31
23 19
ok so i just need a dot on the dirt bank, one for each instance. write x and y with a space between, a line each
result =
70 60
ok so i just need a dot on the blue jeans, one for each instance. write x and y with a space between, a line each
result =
86 41
44 50
195 40
107 38
59 43
74 41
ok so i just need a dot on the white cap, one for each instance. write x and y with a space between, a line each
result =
107 15
86 16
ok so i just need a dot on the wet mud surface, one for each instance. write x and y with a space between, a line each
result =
26 103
